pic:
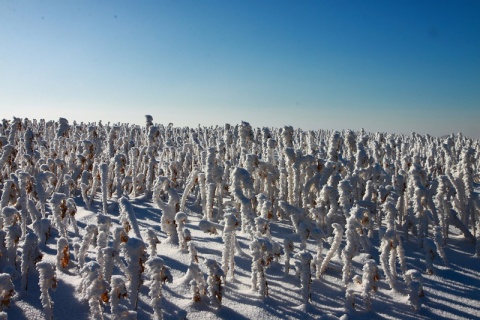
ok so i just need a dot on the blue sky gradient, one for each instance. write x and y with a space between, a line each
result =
391 66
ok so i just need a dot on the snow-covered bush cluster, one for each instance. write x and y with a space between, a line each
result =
348 204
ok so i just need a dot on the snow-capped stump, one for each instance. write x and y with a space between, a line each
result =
47 281
7 290
158 274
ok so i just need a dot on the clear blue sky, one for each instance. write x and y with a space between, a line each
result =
392 66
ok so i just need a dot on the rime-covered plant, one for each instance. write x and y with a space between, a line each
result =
229 240
181 219
430 253
102 243
91 231
242 190
128 218
120 237
104 185
214 282
391 249
57 201
263 252
305 258
13 233
31 255
414 275
288 249
349 300
192 250
118 291
414 282
135 256
318 235
7 290
345 191
337 240
351 246
169 208
71 210
152 242
195 278
158 274
23 180
369 278
438 240
94 288
47 280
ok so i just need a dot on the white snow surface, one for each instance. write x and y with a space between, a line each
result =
450 293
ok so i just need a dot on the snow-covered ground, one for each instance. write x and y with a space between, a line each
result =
451 291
